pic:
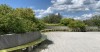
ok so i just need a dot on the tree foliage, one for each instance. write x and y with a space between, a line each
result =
17 20
5 9
74 24
52 18
93 21
96 20
77 25
66 21
40 25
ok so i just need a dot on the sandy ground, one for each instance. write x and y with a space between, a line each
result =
73 42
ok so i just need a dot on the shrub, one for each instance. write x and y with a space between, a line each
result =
18 20
77 24
66 21
40 25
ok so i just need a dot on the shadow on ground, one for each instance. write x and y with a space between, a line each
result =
43 45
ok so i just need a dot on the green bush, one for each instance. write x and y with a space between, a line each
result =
77 25
66 21
18 20
40 25
52 18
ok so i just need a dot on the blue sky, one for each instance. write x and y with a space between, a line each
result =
78 9
36 4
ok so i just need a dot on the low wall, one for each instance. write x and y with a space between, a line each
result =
65 28
92 28
58 28
13 40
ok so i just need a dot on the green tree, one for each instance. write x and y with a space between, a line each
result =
89 22
93 21
77 24
52 18
40 25
25 13
96 20
16 20
66 21
5 9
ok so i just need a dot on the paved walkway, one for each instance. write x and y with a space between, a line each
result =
73 42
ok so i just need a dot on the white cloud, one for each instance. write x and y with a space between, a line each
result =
87 16
42 13
98 6
75 5
71 6
49 10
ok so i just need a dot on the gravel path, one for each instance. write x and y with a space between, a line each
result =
73 42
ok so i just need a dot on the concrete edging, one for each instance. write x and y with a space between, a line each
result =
25 45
